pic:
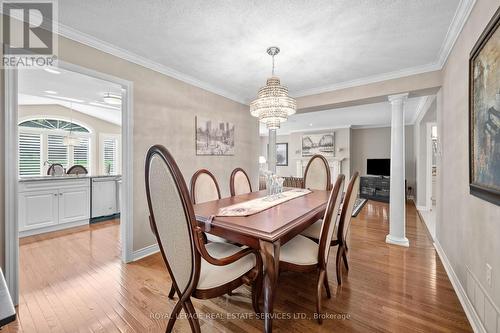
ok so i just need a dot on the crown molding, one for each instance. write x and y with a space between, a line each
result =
457 23
100 45
423 106
461 15
367 80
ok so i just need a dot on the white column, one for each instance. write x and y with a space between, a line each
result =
271 158
397 204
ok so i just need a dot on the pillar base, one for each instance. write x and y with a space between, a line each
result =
397 241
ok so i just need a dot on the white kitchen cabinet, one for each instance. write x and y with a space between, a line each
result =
38 209
74 204
49 204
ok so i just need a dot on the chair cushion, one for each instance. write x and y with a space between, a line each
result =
212 276
300 251
313 231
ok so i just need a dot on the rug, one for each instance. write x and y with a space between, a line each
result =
360 202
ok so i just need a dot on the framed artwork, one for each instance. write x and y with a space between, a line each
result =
322 144
214 137
484 114
281 154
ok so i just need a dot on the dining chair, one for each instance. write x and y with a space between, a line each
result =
55 169
204 187
317 174
302 254
197 269
239 183
313 232
77 170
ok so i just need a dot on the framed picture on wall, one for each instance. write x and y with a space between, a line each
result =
484 114
214 137
281 154
322 144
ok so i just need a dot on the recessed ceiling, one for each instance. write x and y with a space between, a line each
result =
367 115
70 89
221 44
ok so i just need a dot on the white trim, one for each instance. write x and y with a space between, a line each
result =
467 305
461 15
422 208
11 185
367 80
11 171
103 46
38 231
145 251
397 241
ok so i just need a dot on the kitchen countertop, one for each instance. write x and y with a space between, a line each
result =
65 177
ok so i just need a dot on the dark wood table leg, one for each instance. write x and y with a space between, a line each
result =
270 253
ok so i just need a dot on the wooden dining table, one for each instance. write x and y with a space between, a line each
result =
265 231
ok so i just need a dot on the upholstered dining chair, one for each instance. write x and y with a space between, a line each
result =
313 232
197 269
77 170
302 254
55 169
239 183
317 174
204 187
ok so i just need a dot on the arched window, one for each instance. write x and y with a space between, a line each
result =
41 143
54 124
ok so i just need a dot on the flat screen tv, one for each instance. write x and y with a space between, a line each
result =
378 166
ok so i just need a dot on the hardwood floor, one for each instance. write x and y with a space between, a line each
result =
74 281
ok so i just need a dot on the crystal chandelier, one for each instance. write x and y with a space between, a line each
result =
273 105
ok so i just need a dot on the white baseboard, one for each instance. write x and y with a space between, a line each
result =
474 319
145 251
422 208
57 227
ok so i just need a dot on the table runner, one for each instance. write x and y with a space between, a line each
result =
258 205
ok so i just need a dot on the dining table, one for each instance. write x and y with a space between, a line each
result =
265 231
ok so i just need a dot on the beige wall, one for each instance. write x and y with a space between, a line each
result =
164 113
294 141
376 143
98 126
468 228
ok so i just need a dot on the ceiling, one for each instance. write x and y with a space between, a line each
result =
34 84
220 45
367 115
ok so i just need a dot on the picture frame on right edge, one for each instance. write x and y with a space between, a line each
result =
484 114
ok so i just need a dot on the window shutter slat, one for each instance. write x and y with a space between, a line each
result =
81 153
57 151
110 155
29 154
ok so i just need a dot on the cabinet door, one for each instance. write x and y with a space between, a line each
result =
103 198
38 209
74 204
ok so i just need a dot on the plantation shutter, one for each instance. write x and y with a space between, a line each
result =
81 153
57 151
29 154
110 155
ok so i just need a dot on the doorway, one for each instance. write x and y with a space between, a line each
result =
54 128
